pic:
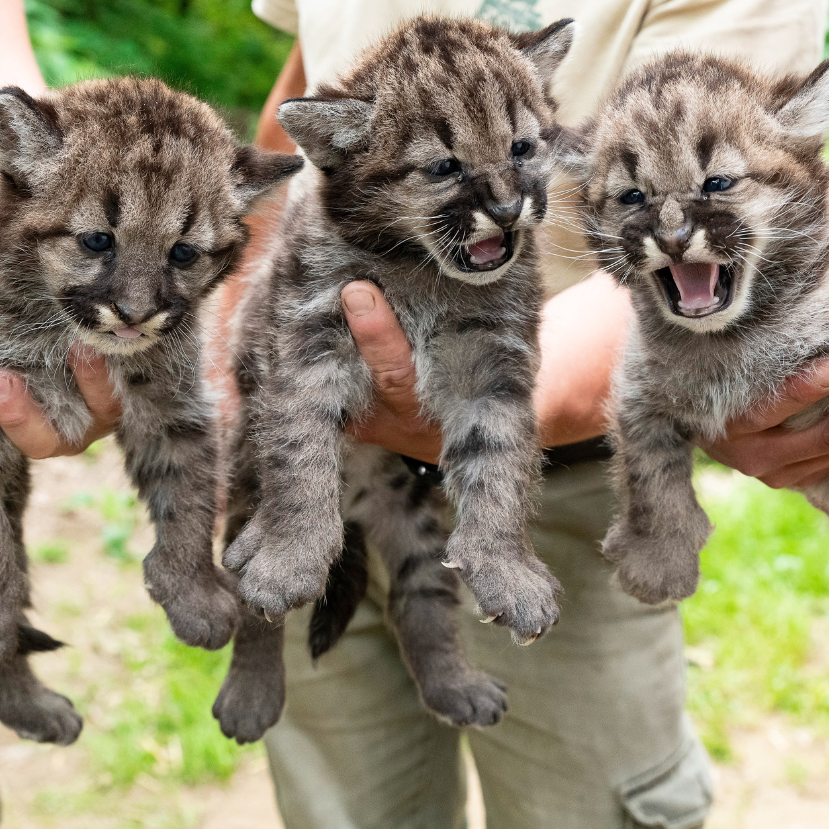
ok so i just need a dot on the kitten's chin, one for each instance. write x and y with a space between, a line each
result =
109 343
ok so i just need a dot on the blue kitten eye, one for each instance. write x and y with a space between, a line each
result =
445 167
717 184
97 242
183 254
632 197
521 147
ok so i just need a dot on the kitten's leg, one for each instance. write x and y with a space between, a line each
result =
402 514
661 528
253 692
171 458
14 577
26 706
283 555
480 387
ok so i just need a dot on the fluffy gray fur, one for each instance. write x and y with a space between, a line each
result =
736 183
376 205
120 209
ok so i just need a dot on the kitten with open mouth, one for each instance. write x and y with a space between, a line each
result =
719 227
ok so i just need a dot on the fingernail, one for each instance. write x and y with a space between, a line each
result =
358 302
5 387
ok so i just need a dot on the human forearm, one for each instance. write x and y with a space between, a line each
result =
18 66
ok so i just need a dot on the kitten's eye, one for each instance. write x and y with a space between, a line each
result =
97 241
521 147
445 167
183 254
716 184
632 197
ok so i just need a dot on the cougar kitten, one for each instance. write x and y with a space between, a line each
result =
430 162
705 192
120 210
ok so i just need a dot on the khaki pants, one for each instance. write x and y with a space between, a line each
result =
594 738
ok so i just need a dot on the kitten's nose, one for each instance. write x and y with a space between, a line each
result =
135 314
505 214
674 243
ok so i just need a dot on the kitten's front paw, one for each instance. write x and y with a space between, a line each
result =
518 592
201 610
274 577
250 702
36 713
654 570
466 697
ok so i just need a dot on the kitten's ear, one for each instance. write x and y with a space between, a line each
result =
571 151
256 172
326 129
29 132
547 47
806 115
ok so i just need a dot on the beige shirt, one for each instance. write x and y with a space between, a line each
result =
777 36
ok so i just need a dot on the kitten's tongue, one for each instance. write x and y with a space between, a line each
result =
487 250
697 283
127 333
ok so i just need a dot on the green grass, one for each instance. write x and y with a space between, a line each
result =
51 552
765 587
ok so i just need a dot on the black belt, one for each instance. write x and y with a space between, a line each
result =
595 449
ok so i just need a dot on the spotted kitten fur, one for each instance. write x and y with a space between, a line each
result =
705 192
120 210
429 166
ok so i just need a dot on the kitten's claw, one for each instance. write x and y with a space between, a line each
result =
487 620
517 592
451 565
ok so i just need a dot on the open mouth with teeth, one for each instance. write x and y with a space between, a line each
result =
698 289
486 254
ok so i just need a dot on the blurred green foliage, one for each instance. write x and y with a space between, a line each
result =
215 49
763 598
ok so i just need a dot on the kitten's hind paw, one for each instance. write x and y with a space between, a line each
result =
654 570
466 697
202 612
36 713
250 702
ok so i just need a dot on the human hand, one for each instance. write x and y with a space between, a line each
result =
757 445
28 428
396 421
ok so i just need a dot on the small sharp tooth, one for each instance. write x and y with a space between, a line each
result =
452 565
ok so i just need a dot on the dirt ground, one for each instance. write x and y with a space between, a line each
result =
778 780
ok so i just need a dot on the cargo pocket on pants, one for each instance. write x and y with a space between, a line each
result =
677 794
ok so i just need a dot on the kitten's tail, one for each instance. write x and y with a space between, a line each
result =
31 640
347 584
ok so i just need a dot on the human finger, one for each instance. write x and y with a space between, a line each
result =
383 346
24 421
97 390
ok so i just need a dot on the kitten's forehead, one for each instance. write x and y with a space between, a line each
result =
665 136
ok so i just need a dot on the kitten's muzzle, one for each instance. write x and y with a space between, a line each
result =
697 289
